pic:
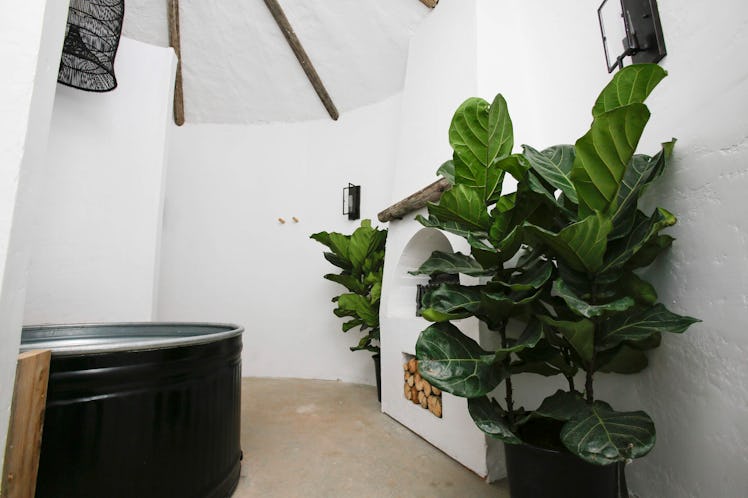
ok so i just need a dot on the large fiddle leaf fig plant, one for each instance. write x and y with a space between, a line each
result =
360 257
560 256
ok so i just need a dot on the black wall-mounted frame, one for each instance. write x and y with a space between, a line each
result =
435 281
644 40
352 201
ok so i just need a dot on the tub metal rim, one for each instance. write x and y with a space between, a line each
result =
141 344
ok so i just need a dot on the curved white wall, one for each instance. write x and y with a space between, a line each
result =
226 257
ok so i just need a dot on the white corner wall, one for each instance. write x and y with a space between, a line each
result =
100 206
226 256
696 387
30 46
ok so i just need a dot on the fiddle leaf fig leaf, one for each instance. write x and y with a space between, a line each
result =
352 324
641 171
580 335
454 363
644 229
623 360
562 405
342 263
640 326
462 205
529 338
585 309
447 171
450 302
454 227
603 154
491 419
452 264
358 304
350 282
554 165
533 278
630 85
639 289
649 252
602 436
580 245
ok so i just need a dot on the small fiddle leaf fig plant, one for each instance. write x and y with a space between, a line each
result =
561 255
360 257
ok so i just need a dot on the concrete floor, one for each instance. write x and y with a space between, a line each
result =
326 439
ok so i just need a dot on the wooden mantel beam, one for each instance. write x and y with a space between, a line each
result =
430 3
415 201
301 55
175 43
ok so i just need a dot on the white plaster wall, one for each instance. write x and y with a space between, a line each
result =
696 387
100 207
226 257
30 46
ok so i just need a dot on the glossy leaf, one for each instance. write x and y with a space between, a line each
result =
361 306
462 205
630 85
532 278
622 360
603 154
452 264
580 335
602 436
454 227
350 282
639 289
585 309
649 252
639 326
561 405
450 302
554 165
491 419
453 362
580 245
447 171
644 229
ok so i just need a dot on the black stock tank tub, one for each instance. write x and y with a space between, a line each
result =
140 410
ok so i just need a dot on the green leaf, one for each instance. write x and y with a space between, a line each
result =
455 363
532 278
580 245
462 205
450 302
491 419
352 324
554 165
580 335
447 171
641 171
361 307
603 436
643 230
452 264
562 405
454 227
621 360
603 154
500 132
630 85
649 252
529 338
585 309
643 324
639 289
340 262
350 282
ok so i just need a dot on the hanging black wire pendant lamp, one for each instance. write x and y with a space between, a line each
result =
91 41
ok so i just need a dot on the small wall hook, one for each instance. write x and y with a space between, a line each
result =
281 221
295 219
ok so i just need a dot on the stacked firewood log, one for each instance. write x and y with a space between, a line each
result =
419 391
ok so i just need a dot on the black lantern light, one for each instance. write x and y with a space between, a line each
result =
91 40
643 40
352 201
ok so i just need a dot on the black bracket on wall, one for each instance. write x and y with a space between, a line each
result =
644 41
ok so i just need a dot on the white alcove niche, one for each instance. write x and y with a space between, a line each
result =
408 246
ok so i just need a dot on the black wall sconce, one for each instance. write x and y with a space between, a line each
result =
643 41
91 41
352 201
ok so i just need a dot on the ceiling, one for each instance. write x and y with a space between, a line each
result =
238 68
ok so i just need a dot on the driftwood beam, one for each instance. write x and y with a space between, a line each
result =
175 43
415 201
301 55
430 3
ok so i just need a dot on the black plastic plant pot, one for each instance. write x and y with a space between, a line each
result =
535 472
378 372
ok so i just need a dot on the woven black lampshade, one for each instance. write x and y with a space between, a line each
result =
91 41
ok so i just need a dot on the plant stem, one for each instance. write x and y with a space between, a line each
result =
508 381
590 370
